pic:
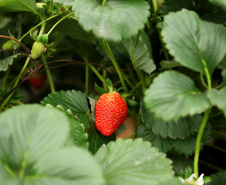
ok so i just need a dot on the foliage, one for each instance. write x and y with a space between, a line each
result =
167 59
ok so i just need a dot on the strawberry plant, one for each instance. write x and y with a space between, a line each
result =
134 92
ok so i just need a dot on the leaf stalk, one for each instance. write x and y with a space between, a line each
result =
198 141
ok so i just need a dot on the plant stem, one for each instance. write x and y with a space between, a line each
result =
132 76
58 22
52 87
163 46
8 169
97 73
87 80
23 165
36 27
104 1
215 115
218 135
211 166
207 74
16 83
139 74
4 80
216 148
105 76
198 141
107 49
202 81
129 137
42 29
155 7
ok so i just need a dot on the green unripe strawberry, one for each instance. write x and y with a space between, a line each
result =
8 45
37 50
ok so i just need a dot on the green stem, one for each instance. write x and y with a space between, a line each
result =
58 22
52 87
8 169
203 81
87 80
198 141
139 74
218 135
216 148
16 83
129 137
97 73
211 166
23 165
104 1
107 49
132 76
215 115
42 29
207 74
163 46
155 6
105 76
37 26
4 80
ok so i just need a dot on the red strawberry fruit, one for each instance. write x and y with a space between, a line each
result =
111 112
37 81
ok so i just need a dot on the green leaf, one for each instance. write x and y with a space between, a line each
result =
181 129
218 98
77 133
71 28
221 3
218 178
96 139
19 6
99 89
114 21
204 8
30 130
135 162
140 51
31 153
173 95
16 96
185 146
108 83
180 163
93 107
175 5
74 100
169 64
193 42
67 166
4 64
216 16
120 129
84 119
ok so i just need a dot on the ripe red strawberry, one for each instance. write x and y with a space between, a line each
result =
111 112
37 81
